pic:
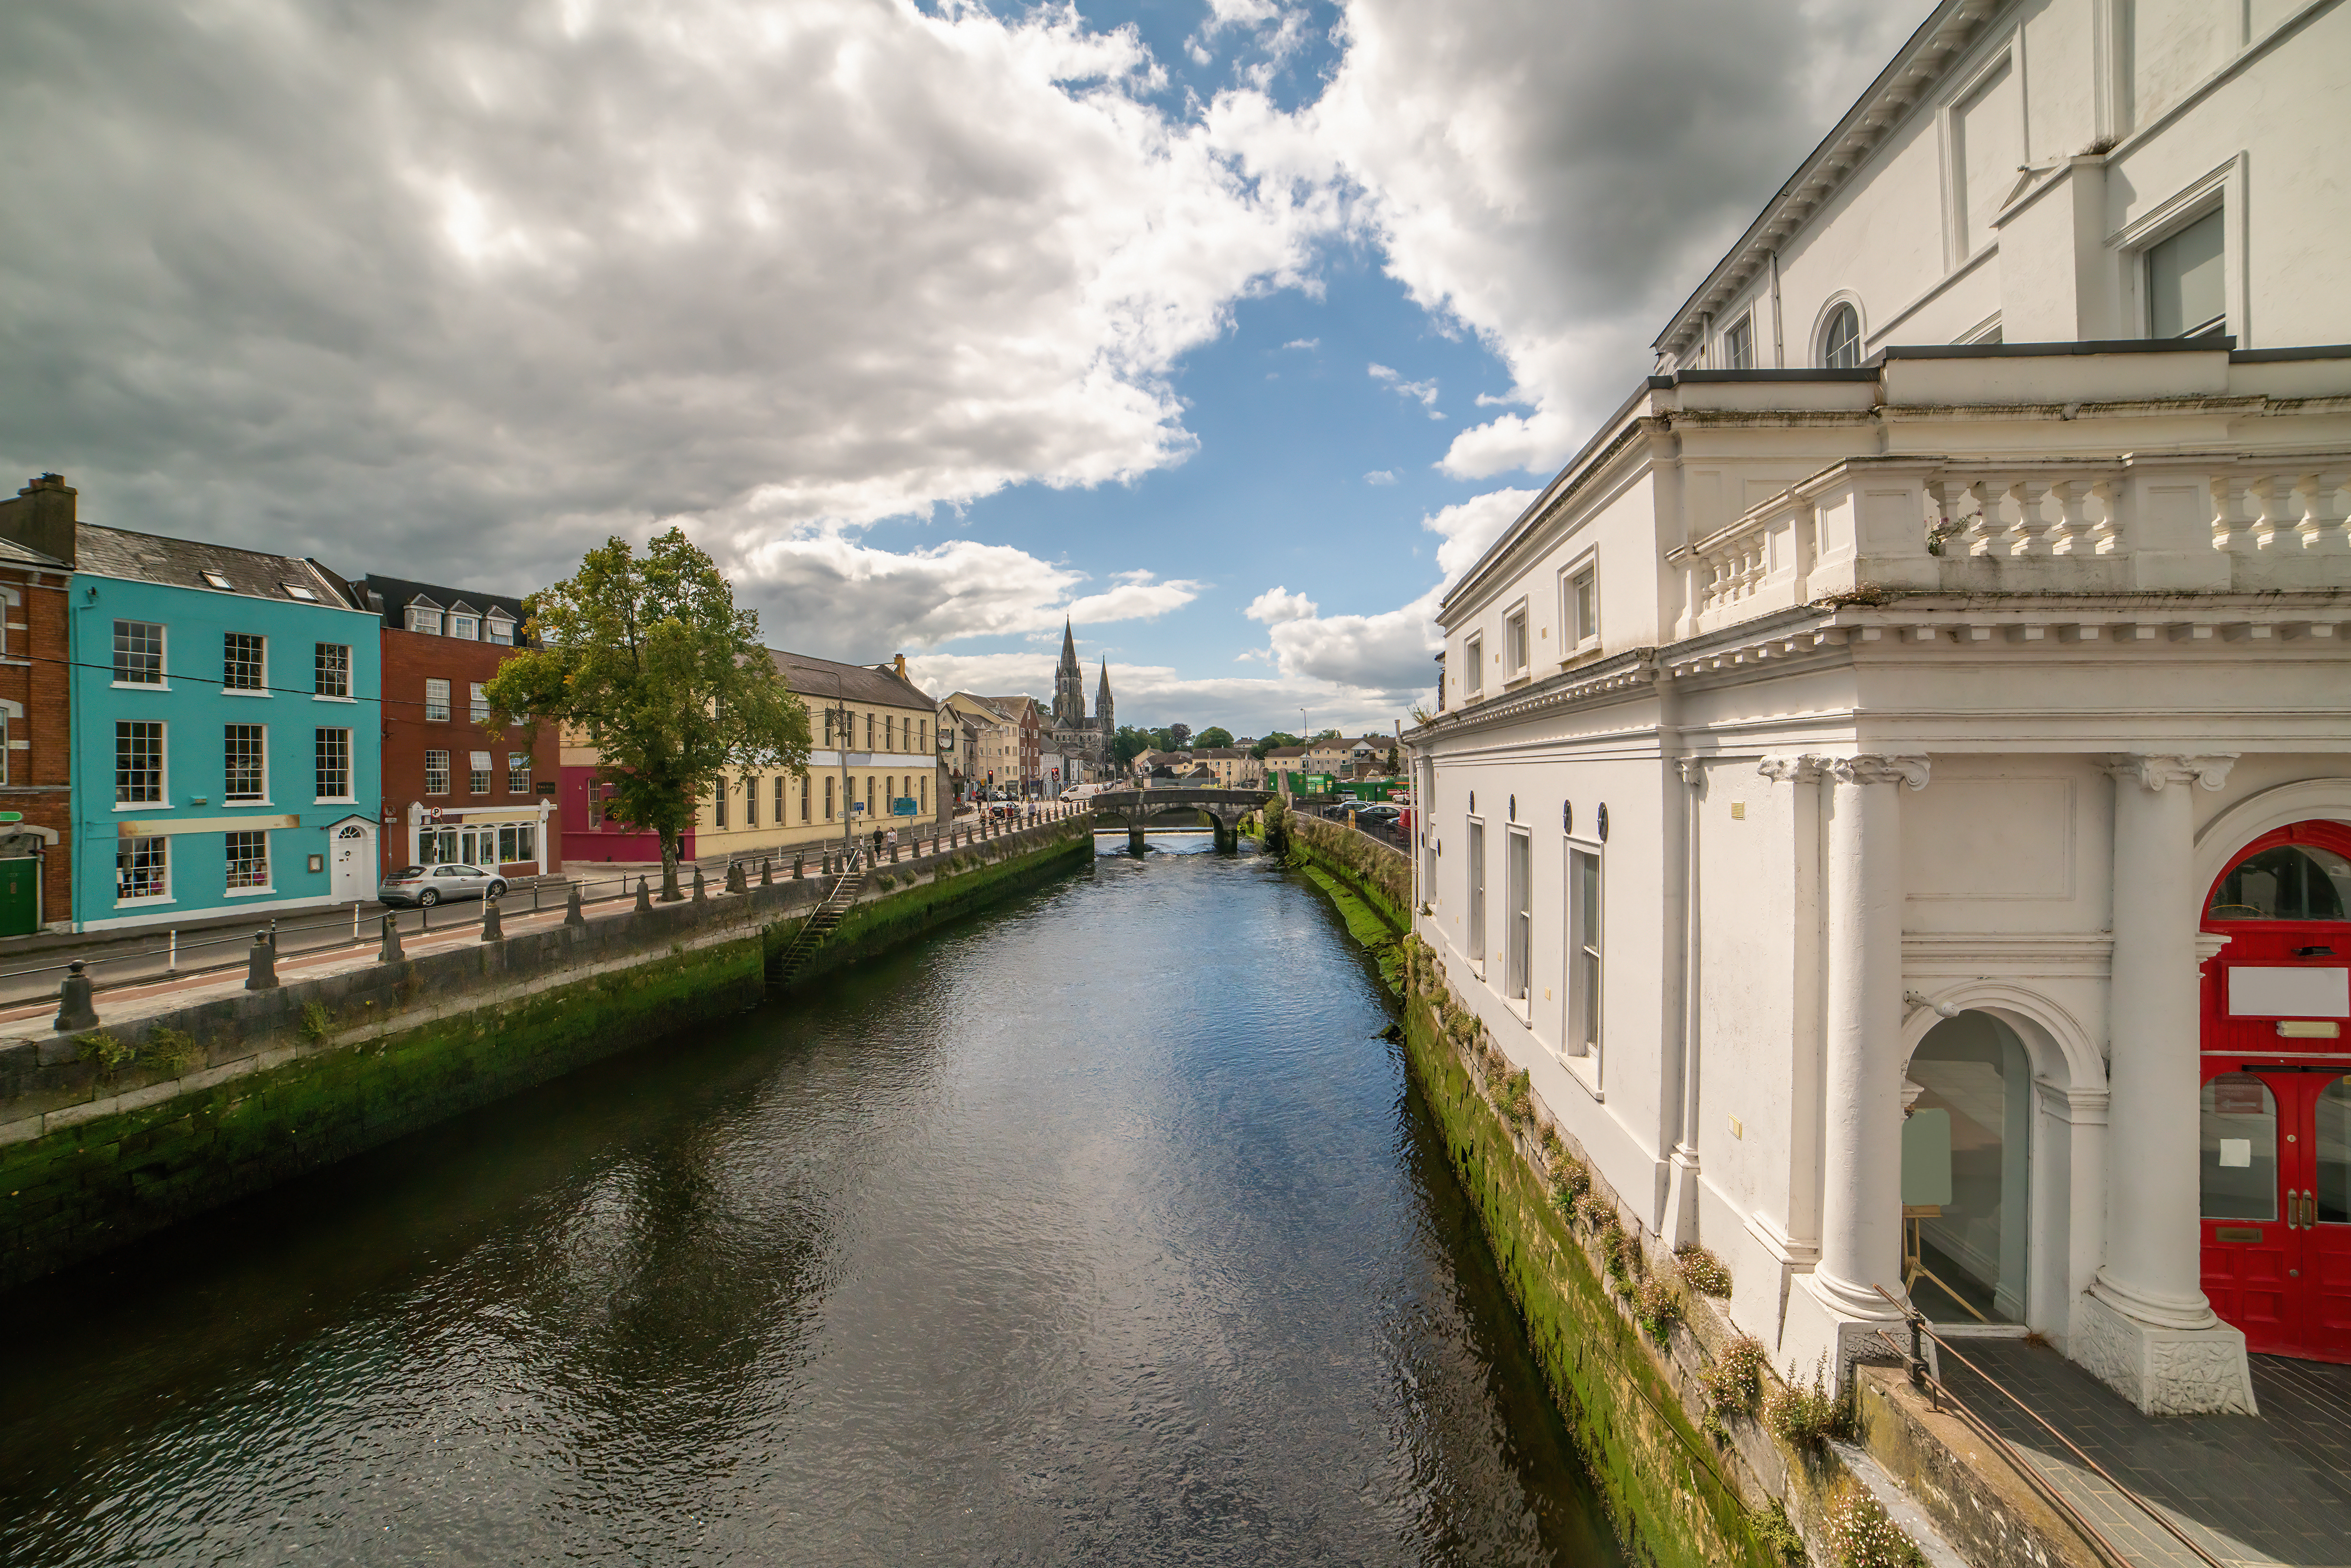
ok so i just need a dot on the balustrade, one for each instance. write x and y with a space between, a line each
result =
2198 522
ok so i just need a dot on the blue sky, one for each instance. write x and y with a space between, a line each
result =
934 321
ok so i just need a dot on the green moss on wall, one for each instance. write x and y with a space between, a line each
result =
73 1192
1654 1471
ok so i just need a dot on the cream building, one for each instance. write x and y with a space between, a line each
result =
1894 785
1232 768
995 759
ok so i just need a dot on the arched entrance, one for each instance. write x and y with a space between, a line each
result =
1966 1159
2274 1152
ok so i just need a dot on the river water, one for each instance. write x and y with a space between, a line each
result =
1101 1228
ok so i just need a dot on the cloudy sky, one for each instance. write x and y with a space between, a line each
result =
1228 328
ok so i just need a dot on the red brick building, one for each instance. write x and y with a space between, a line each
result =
36 759
454 790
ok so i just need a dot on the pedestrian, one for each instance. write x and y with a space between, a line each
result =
877 843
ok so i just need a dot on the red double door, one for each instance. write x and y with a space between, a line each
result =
2275 1144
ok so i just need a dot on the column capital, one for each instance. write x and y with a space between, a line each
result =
1693 769
1877 769
2153 770
1791 769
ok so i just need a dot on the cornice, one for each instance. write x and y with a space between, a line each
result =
1584 685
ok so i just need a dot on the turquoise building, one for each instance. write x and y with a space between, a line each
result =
227 733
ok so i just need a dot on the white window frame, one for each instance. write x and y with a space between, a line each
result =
478 779
1518 642
146 899
228 799
351 765
478 702
1474 878
1842 300
1518 892
2225 188
1581 1049
432 716
1473 653
257 691
446 760
500 630
162 766
518 779
1580 637
162 681
465 628
321 664
1739 342
427 622
231 889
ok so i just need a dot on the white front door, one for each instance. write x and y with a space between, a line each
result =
351 855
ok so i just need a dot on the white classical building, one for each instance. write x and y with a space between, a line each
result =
1893 789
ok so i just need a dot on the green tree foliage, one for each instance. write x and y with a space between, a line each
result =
1272 739
1324 734
1214 736
1179 737
649 658
1129 744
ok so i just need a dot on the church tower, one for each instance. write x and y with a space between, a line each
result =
1105 725
1069 687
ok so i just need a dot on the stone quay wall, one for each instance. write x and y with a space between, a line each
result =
216 1099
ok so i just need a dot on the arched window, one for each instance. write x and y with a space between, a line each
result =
1841 339
2297 873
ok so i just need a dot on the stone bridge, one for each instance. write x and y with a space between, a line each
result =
1139 807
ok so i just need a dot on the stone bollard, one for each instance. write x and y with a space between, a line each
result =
261 965
734 883
893 854
392 952
699 896
492 927
644 897
800 866
573 915
74 1009
766 872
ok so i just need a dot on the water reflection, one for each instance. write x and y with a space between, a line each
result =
1101 1228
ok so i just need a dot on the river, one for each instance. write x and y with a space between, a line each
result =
1099 1229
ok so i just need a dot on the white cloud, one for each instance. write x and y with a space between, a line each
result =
1424 391
1380 476
1303 343
807 585
441 280
1276 605
1558 176
1468 527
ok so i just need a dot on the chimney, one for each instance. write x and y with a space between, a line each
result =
41 518
901 666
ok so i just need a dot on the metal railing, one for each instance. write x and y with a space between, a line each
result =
1914 1362
220 948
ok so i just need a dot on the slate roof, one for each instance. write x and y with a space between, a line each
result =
14 554
1220 753
391 596
819 680
1284 751
182 563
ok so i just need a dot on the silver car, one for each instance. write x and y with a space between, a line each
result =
430 884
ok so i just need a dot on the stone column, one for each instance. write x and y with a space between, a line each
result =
1681 1208
2143 1325
1861 1204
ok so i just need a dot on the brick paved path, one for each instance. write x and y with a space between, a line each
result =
2271 1488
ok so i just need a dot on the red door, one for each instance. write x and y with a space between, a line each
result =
2275 1149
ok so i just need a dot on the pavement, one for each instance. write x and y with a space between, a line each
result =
2249 1489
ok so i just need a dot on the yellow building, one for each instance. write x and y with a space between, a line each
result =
873 761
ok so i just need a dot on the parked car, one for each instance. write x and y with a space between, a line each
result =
429 885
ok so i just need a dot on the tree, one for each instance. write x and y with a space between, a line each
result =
1179 737
1327 735
1129 744
1214 736
1272 739
650 659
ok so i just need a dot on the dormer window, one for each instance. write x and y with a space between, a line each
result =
425 621
214 579
295 591
498 629
466 627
